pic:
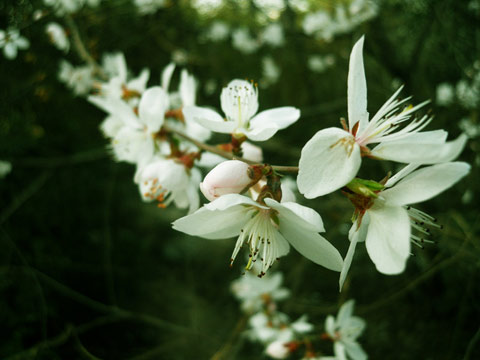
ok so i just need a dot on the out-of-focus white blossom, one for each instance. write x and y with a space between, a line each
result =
5 168
319 63
180 56
344 18
62 7
468 92
218 31
277 350
11 41
58 36
270 72
255 293
273 35
146 7
445 94
80 79
244 42
344 331
469 127
252 152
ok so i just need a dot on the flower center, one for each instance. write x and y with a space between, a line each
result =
152 190
240 102
260 235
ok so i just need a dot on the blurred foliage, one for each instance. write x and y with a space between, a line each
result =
90 271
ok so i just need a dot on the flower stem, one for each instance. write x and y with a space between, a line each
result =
224 154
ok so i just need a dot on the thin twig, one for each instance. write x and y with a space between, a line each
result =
225 154
81 49
226 348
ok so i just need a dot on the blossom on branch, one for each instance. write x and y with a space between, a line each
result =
239 101
267 230
384 222
332 158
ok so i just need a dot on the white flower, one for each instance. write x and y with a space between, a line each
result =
344 331
149 6
445 94
134 141
266 230
239 101
11 41
228 177
255 293
5 168
273 35
332 158
79 79
270 72
277 350
319 64
242 41
218 31
385 222
119 85
167 181
58 36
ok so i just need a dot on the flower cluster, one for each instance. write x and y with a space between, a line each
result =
280 336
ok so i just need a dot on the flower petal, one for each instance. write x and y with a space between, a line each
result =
152 107
296 213
261 133
357 88
216 224
209 119
117 108
282 117
388 238
329 160
311 245
420 150
425 183
167 76
354 350
226 201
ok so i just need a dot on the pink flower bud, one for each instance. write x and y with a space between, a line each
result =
228 177
277 350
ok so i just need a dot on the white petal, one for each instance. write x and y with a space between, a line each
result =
217 224
260 133
282 117
388 238
419 150
330 325
329 160
296 213
345 313
339 350
10 51
117 108
425 183
354 350
152 107
209 119
311 245
167 76
357 88
229 200
348 261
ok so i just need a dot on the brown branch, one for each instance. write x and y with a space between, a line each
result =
225 154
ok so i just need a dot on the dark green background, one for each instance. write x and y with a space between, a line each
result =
88 268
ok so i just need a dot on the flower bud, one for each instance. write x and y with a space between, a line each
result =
228 177
252 152
277 350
